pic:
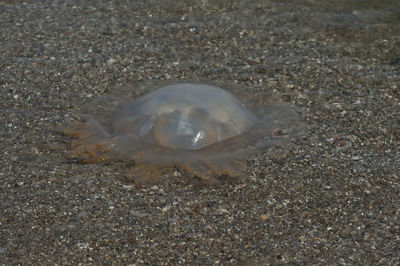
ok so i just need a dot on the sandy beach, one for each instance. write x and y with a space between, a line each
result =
331 196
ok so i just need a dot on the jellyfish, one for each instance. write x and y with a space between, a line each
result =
200 128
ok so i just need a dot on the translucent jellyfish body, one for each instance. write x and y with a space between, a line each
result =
200 128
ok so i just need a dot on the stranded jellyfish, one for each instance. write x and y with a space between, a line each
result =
199 128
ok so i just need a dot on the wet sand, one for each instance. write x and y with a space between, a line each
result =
330 197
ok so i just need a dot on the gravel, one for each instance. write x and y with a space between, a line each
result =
330 197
